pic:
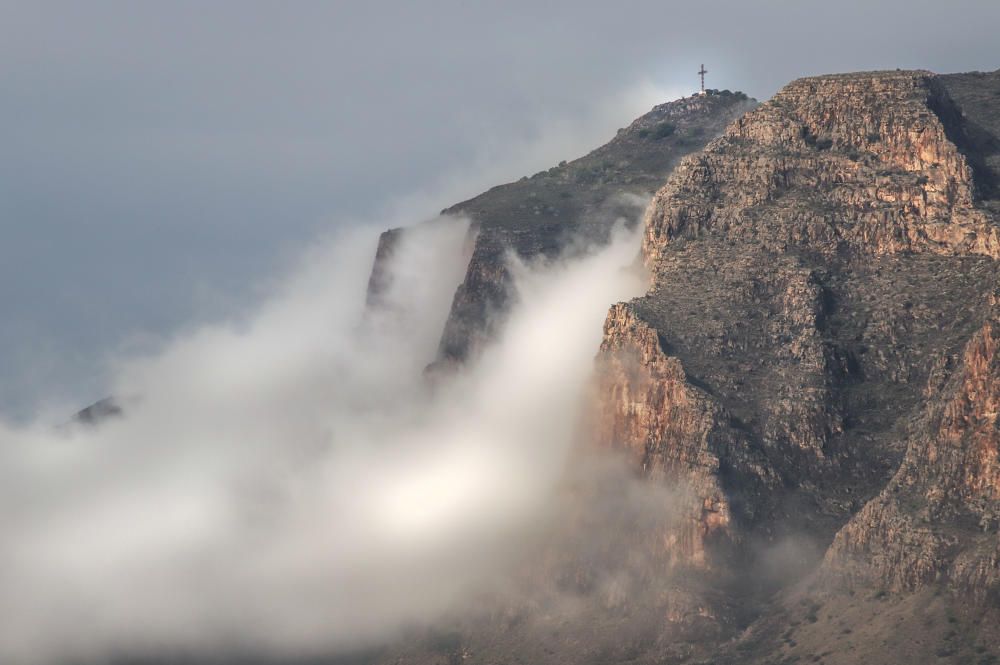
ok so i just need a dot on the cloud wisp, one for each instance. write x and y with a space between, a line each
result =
289 484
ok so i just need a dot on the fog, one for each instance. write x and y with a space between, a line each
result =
289 483
285 480
162 159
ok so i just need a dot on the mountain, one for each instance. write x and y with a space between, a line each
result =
814 370
581 199
816 347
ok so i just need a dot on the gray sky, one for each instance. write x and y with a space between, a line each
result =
161 162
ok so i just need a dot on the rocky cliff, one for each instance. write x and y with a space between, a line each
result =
813 372
937 519
576 201
816 355
874 163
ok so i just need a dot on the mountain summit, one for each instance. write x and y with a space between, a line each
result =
816 351
815 366
577 200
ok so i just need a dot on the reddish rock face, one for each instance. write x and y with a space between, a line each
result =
813 374
664 424
870 162
937 519
816 355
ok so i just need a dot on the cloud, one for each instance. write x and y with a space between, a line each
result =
288 483
159 158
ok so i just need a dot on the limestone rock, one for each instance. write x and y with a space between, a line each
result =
871 162
814 357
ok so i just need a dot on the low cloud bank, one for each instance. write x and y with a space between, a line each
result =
289 484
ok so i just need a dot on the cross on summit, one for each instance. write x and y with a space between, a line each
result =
701 73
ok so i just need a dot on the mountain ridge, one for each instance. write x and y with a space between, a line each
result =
846 248
579 200
815 363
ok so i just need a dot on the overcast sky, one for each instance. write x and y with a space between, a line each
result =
161 162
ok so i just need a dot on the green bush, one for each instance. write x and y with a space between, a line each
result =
727 93
663 130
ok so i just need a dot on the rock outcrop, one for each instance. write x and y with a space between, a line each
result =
872 163
816 356
938 518
671 429
380 279
574 202
98 412
814 372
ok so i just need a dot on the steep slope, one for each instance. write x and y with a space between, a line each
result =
815 358
576 201
978 95
97 412
813 376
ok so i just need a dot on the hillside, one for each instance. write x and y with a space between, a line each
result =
814 369
583 198
819 336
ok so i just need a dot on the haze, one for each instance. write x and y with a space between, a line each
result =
164 163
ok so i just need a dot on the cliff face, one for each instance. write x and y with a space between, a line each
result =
873 163
816 356
670 428
577 201
937 518
813 372
380 279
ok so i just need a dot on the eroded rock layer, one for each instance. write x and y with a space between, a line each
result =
816 357
874 163
811 379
